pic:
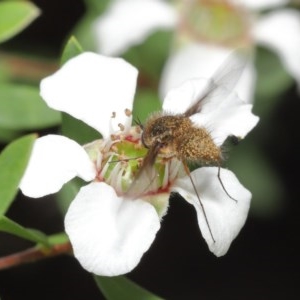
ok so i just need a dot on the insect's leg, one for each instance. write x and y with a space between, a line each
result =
187 170
221 182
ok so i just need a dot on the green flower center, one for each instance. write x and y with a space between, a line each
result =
215 21
120 163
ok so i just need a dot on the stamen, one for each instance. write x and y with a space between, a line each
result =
121 126
114 148
113 177
138 129
99 160
105 168
128 112
113 115
166 176
113 137
115 168
174 169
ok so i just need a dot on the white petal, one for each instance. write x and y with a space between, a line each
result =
280 31
90 87
224 216
180 98
202 61
260 4
230 117
221 116
130 22
109 235
54 161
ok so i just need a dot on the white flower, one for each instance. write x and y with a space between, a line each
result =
109 232
118 29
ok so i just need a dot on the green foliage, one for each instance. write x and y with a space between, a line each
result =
67 194
58 238
13 162
7 135
15 16
149 57
122 288
21 108
9 226
272 81
72 49
83 31
96 6
78 130
146 101
84 28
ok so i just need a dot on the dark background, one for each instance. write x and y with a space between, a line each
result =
262 263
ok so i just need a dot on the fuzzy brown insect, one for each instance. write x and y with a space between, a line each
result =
175 135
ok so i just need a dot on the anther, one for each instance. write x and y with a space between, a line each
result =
128 112
121 126
113 137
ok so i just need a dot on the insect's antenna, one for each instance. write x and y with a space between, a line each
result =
221 182
138 122
201 204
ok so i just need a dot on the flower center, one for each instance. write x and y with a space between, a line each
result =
215 21
120 162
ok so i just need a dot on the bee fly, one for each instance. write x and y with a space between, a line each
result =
175 135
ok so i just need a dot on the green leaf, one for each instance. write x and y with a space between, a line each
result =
146 102
7 135
82 30
78 130
142 56
72 49
96 6
272 81
13 162
9 226
122 288
67 193
21 108
15 16
58 238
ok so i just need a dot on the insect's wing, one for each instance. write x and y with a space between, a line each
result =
145 179
222 82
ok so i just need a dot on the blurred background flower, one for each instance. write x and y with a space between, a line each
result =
263 262
204 34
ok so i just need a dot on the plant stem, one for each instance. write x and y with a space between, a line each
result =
34 254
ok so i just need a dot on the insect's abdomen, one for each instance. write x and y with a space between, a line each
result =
197 145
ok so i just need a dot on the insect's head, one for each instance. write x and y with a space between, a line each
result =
157 130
